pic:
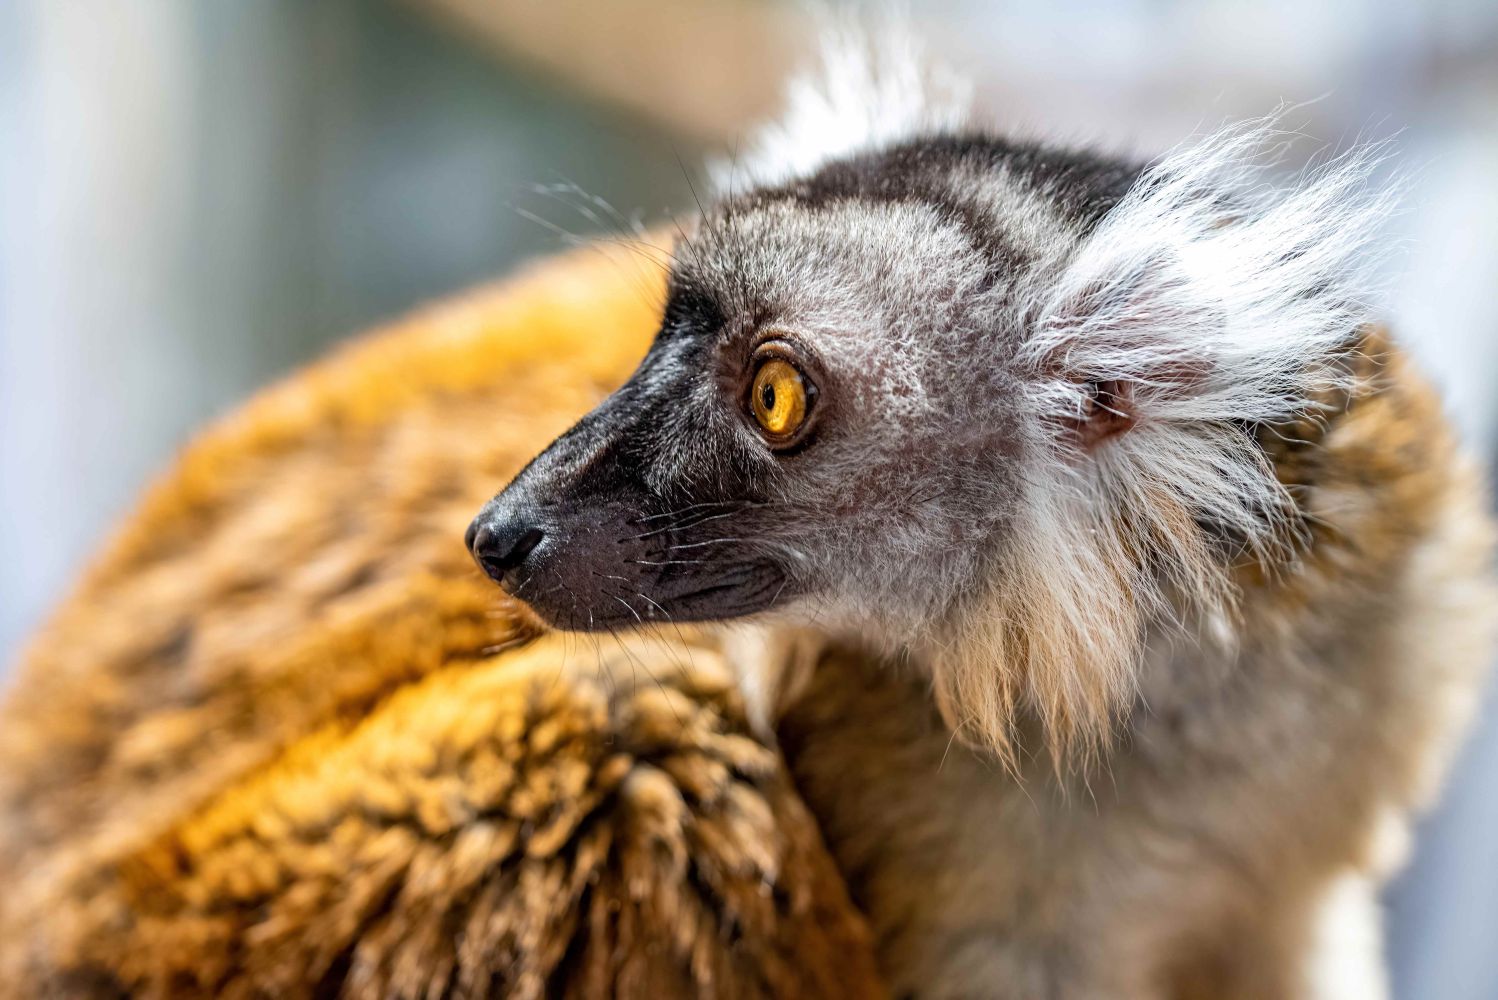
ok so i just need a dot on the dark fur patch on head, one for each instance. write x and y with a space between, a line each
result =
1082 186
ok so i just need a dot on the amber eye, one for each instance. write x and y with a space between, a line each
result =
779 398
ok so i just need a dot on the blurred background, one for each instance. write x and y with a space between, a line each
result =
198 195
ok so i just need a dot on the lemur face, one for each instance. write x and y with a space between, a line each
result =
825 420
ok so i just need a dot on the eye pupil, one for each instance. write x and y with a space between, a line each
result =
767 396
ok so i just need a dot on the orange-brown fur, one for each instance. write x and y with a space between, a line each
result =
276 743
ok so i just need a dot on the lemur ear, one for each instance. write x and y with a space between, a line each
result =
1206 294
1105 409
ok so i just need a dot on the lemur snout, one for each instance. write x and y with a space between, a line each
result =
501 545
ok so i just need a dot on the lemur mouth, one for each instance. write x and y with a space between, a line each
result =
566 600
743 590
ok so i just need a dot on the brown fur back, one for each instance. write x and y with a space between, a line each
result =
275 744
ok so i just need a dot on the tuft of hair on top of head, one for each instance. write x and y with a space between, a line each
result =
871 85
1208 299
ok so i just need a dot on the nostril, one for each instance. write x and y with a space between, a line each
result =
499 548
524 545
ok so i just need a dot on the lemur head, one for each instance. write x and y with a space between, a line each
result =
983 398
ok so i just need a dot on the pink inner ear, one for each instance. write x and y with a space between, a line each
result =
1108 410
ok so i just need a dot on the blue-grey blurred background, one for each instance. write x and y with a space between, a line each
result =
197 196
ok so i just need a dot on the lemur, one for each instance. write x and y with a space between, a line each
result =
1113 457
1087 594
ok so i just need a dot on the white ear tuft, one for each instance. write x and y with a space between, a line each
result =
1207 274
872 87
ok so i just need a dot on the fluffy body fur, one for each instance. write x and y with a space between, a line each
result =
1108 455
346 767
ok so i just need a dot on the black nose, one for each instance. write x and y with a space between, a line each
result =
500 546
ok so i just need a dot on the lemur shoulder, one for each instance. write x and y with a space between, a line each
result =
1147 587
